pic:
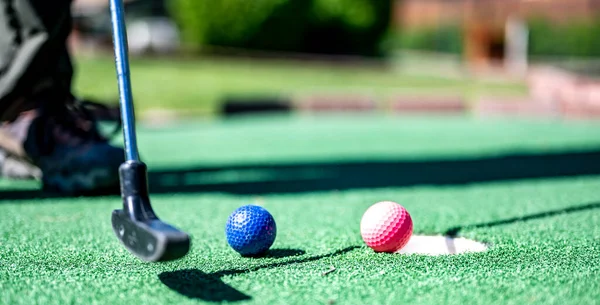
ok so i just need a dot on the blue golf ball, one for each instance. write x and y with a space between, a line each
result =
251 230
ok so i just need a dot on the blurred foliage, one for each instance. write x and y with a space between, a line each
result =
446 38
577 38
353 27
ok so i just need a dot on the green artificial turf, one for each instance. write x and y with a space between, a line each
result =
544 229
200 86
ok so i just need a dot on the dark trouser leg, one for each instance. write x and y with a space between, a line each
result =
60 138
33 51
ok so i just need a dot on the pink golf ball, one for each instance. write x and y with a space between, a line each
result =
386 226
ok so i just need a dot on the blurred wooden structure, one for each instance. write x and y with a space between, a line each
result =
484 22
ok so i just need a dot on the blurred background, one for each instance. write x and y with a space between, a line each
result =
201 59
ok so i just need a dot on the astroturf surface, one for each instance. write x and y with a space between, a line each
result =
529 189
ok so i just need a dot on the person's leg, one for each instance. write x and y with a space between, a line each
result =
33 35
42 123
28 57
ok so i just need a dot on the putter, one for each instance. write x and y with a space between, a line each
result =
137 227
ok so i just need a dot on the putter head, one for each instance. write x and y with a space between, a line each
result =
150 240
137 226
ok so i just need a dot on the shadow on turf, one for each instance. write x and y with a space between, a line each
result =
307 177
257 179
453 232
282 253
209 287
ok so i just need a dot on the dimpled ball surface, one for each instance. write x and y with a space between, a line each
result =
251 230
386 226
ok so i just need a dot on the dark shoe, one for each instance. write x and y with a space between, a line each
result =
63 141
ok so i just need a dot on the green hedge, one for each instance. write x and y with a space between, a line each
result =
573 39
446 38
319 26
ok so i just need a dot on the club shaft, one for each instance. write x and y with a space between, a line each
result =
123 77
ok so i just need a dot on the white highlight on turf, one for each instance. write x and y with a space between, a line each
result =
441 245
